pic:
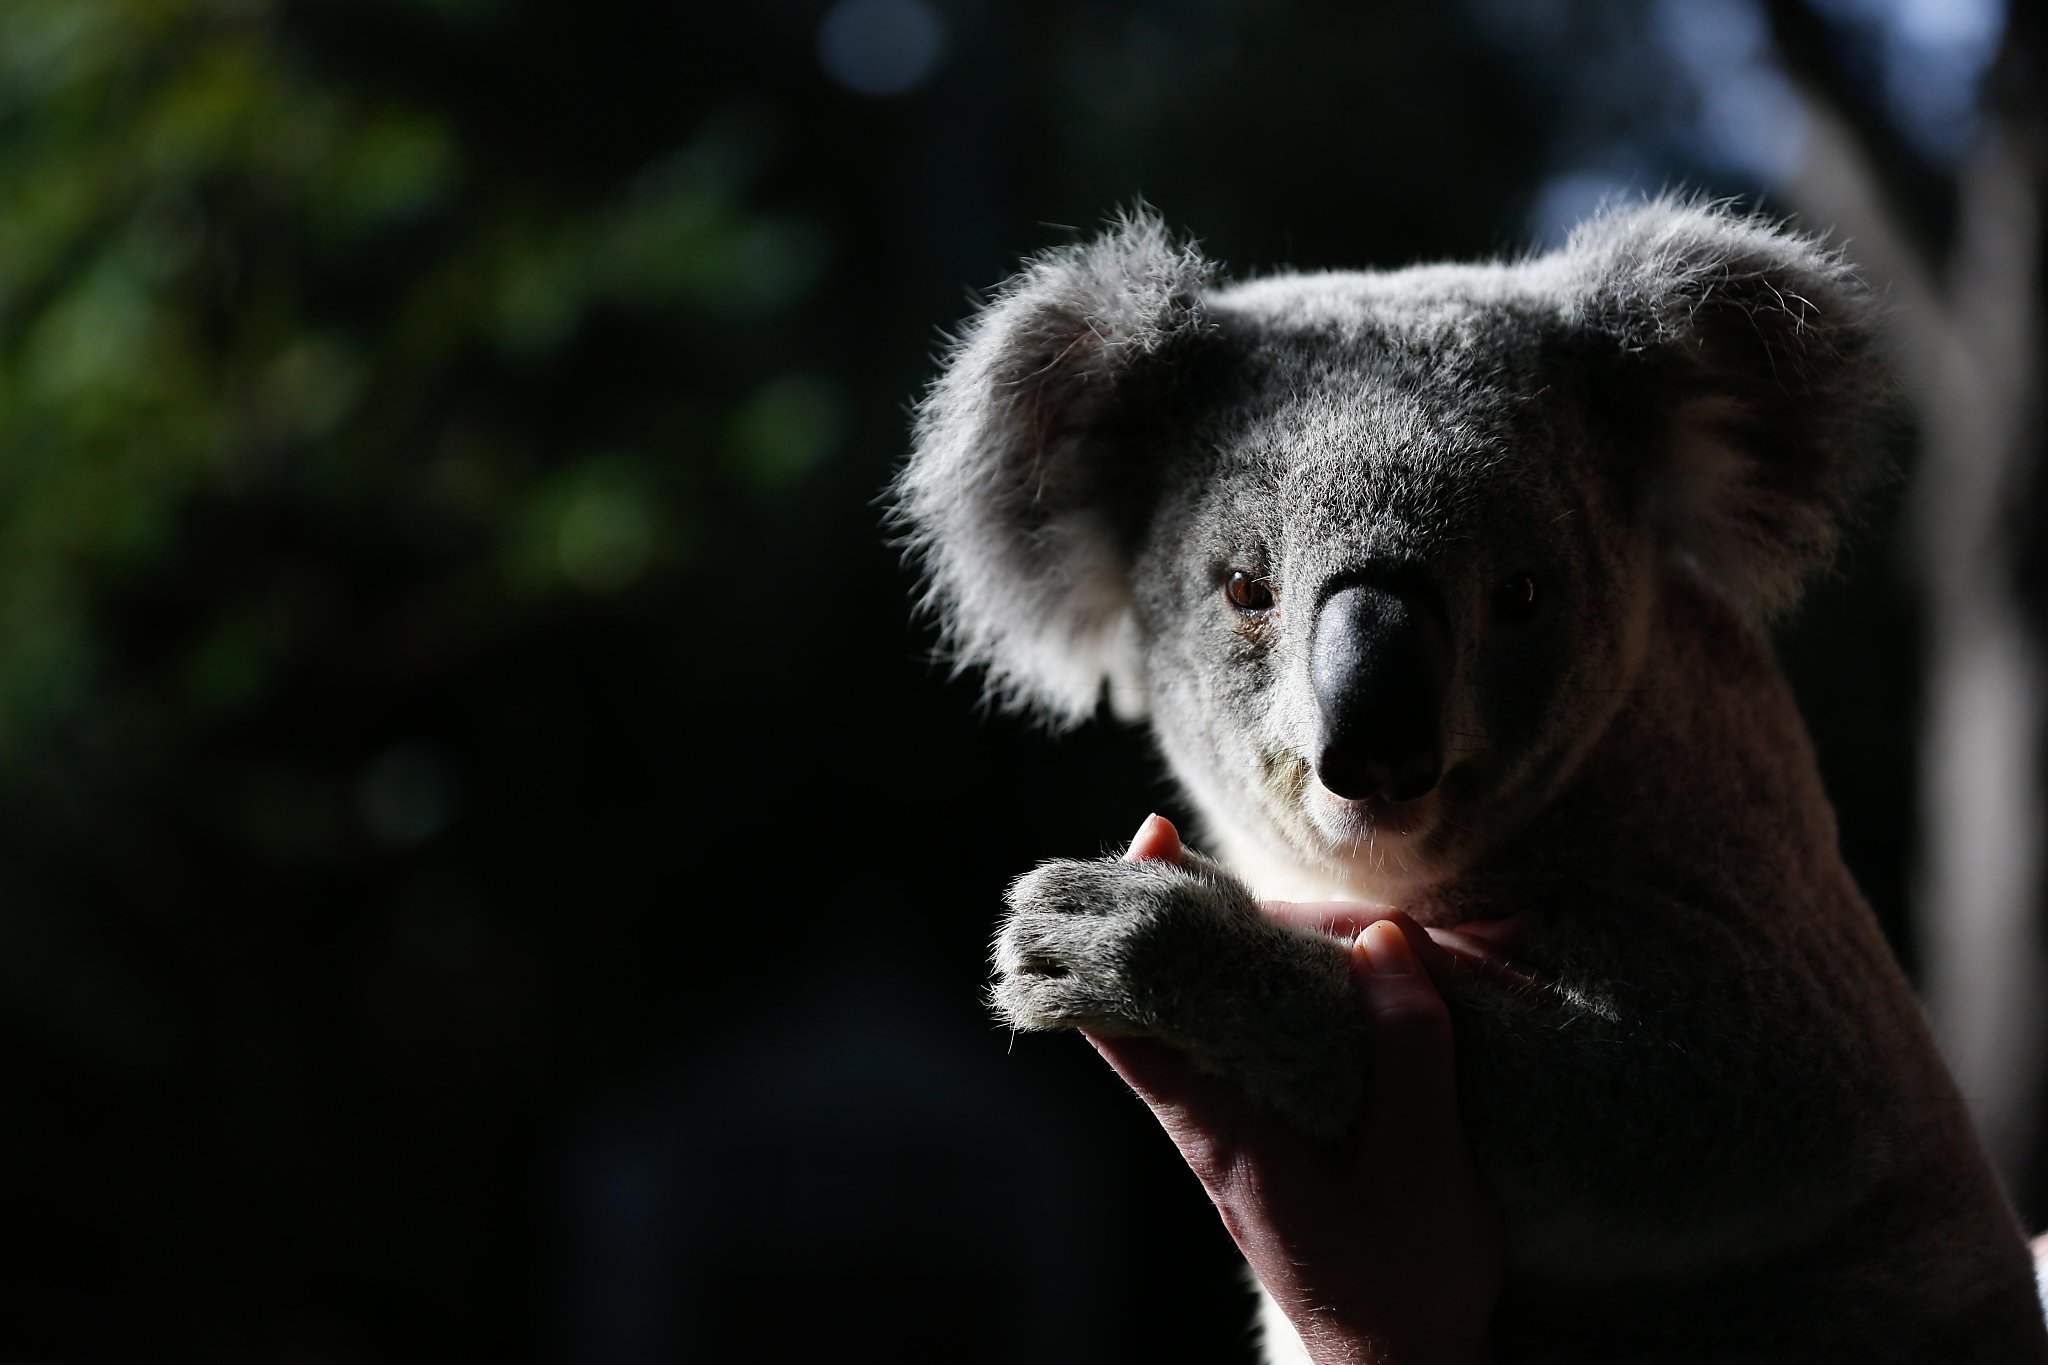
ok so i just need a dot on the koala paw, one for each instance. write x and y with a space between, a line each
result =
1106 945
1184 954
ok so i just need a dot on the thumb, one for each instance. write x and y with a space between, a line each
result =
1413 1067
1156 841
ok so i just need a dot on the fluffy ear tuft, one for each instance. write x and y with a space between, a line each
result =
1008 498
1766 345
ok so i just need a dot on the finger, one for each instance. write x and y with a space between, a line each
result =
1475 958
1410 1048
1216 1128
1340 919
1505 934
1437 960
1161 1075
1448 954
1156 840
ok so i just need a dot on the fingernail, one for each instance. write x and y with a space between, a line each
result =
1386 950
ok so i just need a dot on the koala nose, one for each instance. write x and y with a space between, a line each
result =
1378 664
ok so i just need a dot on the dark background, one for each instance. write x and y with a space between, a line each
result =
488 867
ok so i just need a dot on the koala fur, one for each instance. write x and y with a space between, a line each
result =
1440 587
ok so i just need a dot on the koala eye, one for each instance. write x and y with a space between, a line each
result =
1247 592
1515 598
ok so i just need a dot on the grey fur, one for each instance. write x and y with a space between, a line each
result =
1004 504
1723 1132
1184 954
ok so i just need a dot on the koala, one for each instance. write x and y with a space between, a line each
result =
1445 588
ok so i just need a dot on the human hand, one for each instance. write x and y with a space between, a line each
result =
1382 1246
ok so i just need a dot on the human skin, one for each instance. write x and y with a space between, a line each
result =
1381 1246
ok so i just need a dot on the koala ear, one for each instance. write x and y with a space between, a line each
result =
1762 348
1010 495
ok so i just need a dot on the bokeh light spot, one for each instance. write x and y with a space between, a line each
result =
881 47
407 794
227 665
605 539
787 428
1569 199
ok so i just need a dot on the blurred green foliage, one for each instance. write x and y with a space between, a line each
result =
197 300
364 402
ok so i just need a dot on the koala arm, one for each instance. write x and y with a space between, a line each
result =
1183 953
1688 1070
1637 1110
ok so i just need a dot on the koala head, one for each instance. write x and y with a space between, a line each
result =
1377 552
